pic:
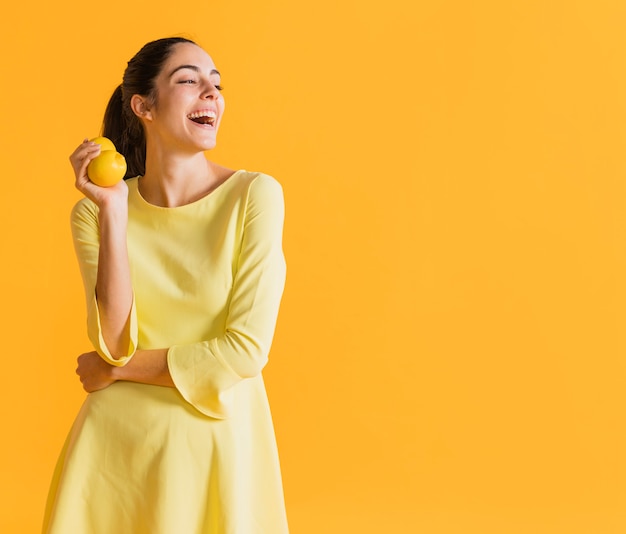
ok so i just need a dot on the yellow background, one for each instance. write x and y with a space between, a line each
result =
449 357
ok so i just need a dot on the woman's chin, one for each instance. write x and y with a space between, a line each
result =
209 146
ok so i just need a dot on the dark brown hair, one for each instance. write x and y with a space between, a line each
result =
120 124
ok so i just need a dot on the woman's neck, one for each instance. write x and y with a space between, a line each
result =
175 180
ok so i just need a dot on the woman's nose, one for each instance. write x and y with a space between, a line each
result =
211 91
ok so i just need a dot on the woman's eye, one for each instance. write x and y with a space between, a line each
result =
190 81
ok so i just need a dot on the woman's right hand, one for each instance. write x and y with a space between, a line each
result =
102 196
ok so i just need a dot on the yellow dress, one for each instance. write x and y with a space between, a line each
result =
200 458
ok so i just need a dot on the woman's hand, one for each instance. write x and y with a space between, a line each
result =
94 372
101 196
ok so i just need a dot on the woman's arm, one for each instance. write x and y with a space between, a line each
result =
145 367
112 287
205 372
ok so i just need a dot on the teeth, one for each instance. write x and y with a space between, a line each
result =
202 113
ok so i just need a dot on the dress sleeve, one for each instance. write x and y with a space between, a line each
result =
205 372
86 237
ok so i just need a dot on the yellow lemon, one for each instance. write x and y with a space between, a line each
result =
107 169
105 143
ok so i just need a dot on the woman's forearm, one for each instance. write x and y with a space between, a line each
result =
145 367
113 285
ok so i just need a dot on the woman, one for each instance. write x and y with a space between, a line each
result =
183 271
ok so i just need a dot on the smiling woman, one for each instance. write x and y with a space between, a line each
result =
183 270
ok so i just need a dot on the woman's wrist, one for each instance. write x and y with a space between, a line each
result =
113 213
116 373
113 222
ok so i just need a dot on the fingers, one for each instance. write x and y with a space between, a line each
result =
83 149
82 156
80 159
85 371
79 367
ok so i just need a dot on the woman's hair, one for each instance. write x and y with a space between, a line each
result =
120 124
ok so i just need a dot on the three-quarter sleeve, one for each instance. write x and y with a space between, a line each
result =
86 237
206 372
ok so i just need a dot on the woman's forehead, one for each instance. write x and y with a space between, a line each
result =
188 54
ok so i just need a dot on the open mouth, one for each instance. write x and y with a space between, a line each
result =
204 116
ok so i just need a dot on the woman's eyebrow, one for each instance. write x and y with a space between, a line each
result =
192 67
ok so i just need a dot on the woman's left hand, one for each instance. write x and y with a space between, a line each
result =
94 372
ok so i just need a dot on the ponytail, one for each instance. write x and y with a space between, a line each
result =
122 127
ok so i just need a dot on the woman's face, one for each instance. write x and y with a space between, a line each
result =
188 107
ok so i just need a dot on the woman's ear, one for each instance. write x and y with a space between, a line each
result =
140 107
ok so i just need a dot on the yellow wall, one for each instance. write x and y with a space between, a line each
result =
450 352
